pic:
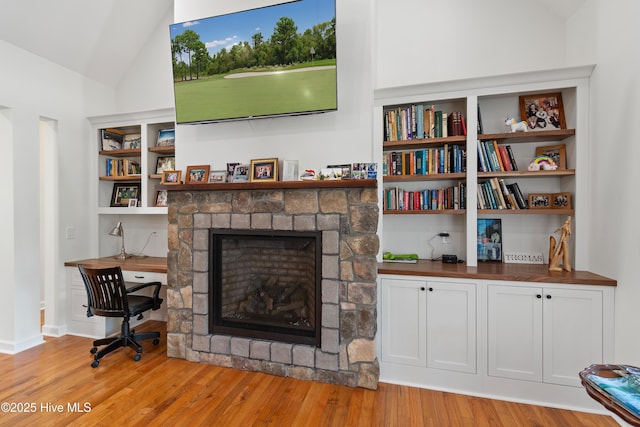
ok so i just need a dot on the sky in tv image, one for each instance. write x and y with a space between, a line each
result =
224 31
275 60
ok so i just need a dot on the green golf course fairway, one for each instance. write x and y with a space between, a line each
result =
219 98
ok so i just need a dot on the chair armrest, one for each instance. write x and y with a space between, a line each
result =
156 292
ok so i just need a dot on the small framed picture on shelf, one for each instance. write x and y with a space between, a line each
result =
133 203
132 141
231 167
543 111
241 173
561 201
539 201
346 170
558 153
171 177
197 174
161 198
264 170
165 163
166 138
123 192
489 240
218 177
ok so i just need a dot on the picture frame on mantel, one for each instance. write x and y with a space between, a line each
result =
197 174
264 170
171 177
543 111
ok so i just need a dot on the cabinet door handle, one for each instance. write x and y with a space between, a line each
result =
538 296
139 277
430 289
422 288
548 296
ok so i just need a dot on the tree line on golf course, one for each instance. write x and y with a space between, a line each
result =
191 59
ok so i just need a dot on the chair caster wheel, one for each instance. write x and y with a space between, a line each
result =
95 364
137 357
156 341
93 350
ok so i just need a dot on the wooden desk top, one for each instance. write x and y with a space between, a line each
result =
146 263
495 271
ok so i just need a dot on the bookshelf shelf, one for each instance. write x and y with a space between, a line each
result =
483 108
131 152
169 150
131 178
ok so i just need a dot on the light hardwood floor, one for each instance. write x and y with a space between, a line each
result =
159 391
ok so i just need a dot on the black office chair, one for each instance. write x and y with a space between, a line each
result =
108 296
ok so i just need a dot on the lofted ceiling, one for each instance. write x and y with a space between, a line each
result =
100 39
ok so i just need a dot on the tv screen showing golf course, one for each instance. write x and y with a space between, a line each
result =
272 61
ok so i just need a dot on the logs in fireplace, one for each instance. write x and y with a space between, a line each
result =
266 284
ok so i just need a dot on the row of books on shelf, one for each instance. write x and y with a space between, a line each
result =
452 197
419 122
493 157
122 167
445 159
494 193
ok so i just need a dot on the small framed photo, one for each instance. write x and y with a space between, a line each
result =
345 170
197 174
217 177
561 201
264 170
133 203
231 167
556 152
543 111
171 177
166 138
161 198
241 173
539 201
123 193
165 163
132 141
490 240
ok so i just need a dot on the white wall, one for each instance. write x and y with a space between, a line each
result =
615 175
30 89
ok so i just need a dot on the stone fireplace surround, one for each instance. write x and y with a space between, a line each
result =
346 212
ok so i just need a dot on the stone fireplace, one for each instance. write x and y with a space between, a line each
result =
330 338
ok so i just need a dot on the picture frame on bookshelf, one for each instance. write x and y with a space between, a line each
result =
132 141
123 192
133 203
166 138
557 152
165 163
171 177
217 177
539 201
161 199
489 239
543 111
241 173
264 170
561 201
197 174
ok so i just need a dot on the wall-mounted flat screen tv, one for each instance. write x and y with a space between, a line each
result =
277 60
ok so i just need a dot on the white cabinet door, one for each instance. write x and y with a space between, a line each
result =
572 322
451 326
404 321
515 332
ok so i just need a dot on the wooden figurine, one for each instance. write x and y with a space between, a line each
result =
559 253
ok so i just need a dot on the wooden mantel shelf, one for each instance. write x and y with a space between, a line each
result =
277 185
538 273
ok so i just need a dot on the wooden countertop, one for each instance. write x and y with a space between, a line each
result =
138 263
495 271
